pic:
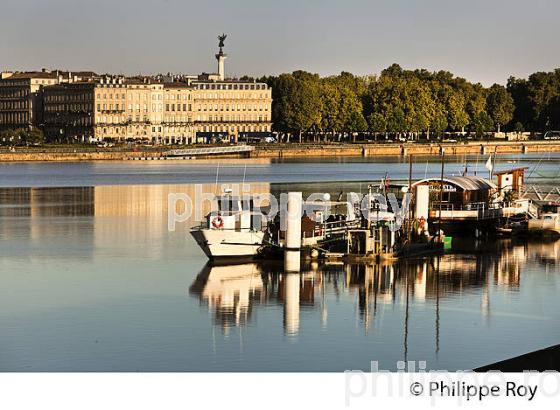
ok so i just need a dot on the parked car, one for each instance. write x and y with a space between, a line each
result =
552 135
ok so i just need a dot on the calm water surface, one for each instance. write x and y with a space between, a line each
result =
91 279
53 174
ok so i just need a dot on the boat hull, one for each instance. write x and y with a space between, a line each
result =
229 244
544 227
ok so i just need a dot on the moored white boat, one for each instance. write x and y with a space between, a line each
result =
547 224
232 231
229 243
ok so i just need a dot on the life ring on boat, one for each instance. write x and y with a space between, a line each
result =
218 222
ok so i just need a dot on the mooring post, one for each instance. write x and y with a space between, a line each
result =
291 302
293 232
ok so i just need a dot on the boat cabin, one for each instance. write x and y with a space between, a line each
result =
511 179
459 192
233 212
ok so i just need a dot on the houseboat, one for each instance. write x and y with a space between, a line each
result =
461 202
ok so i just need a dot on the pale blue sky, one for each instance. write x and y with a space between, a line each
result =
482 40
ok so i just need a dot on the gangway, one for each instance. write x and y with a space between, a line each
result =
191 152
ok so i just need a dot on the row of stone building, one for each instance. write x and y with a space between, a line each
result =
86 107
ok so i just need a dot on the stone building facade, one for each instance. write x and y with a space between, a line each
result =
140 109
183 110
21 96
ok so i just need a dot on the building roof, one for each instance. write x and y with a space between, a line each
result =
467 183
30 75
50 74
177 84
509 171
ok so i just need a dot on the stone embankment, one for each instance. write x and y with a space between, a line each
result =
294 151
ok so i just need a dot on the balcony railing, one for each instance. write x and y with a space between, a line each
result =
473 210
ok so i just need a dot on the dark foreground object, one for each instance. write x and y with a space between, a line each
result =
540 360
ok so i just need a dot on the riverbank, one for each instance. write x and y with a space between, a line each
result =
540 360
367 150
285 151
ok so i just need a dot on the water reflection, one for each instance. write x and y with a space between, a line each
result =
102 216
86 264
233 292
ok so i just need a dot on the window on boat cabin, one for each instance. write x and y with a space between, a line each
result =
247 204
228 205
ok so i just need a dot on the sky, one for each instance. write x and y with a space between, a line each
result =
482 40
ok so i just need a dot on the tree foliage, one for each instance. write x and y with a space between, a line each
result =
499 104
21 137
537 100
412 102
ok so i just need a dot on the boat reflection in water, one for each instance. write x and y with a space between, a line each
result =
233 292
230 290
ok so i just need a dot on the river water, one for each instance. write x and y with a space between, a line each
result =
92 279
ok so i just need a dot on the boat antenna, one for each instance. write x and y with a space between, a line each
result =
217 173
476 165
536 166
495 161
244 173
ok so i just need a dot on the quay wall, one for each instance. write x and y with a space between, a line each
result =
77 156
272 151
372 150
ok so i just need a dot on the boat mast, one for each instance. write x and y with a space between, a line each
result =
441 187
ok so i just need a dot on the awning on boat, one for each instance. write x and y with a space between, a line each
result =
466 183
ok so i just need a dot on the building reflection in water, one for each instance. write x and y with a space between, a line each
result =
33 215
232 292
103 216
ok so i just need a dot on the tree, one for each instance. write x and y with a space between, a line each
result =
33 137
396 120
330 107
306 103
499 105
405 101
7 137
377 123
524 112
439 122
298 104
476 101
543 88
457 116
482 124
357 122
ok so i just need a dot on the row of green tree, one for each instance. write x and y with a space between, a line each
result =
21 137
412 102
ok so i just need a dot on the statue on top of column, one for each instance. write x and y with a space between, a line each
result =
221 41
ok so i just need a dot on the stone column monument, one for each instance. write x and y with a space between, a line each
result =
221 57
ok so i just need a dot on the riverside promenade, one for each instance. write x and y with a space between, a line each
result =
81 153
